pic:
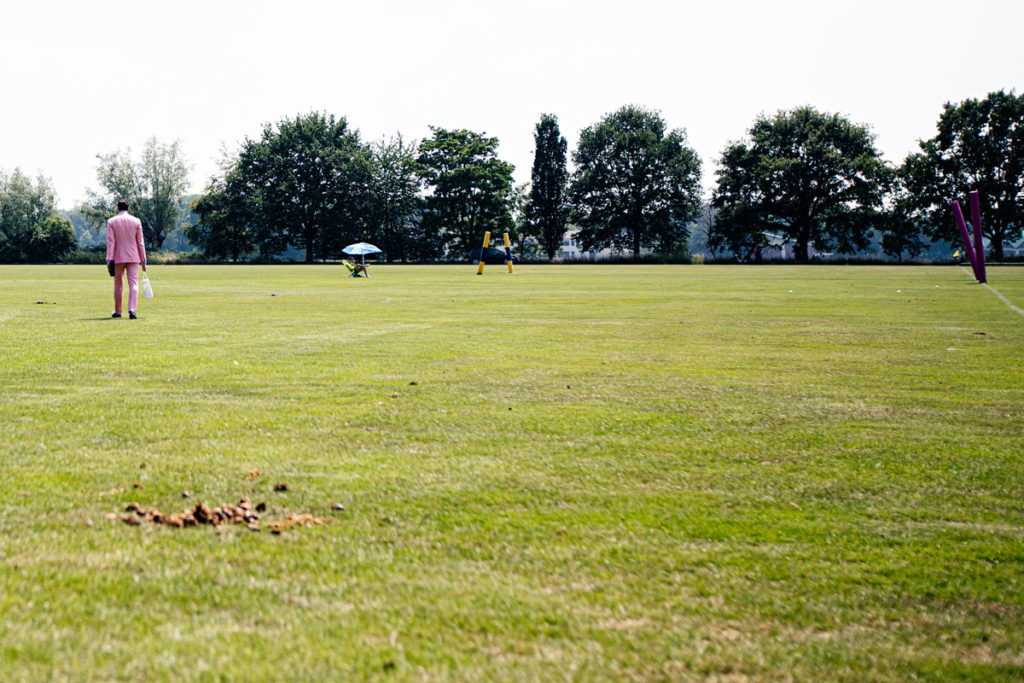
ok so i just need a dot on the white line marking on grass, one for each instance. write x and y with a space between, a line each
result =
1001 297
1004 299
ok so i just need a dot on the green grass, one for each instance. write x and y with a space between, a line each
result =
588 473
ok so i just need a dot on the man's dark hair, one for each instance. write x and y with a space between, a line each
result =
122 205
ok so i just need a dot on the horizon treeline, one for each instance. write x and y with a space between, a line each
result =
307 186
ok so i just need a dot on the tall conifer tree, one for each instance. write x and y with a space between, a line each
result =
547 210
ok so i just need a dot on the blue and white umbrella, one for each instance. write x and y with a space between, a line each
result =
361 249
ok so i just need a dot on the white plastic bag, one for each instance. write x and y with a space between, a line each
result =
147 289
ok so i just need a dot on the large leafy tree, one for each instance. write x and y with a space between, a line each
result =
635 184
30 228
164 173
305 182
471 188
153 185
310 177
547 206
395 187
811 176
979 146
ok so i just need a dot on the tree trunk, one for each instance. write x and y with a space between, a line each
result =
800 252
310 243
803 245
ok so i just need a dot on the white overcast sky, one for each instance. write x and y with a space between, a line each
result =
78 78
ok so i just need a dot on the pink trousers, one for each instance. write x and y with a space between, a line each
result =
132 270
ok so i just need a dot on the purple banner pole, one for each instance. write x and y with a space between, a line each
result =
964 235
979 244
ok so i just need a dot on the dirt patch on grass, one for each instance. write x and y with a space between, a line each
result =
245 513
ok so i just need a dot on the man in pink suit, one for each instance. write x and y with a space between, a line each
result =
127 252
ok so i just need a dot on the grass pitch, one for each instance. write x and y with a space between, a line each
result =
573 472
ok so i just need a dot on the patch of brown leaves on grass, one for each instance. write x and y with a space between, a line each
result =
242 513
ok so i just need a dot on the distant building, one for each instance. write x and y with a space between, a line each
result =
782 248
572 250
1015 248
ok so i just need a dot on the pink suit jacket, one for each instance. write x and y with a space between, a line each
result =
124 239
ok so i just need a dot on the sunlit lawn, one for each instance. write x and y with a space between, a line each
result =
572 472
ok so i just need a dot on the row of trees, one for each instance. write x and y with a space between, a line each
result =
805 176
818 179
32 230
310 183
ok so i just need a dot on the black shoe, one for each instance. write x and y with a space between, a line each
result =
115 315
131 315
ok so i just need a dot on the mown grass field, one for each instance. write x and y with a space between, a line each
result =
572 473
